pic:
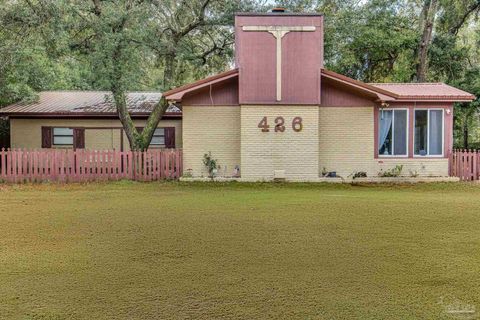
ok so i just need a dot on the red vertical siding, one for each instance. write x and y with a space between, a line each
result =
335 96
219 94
302 60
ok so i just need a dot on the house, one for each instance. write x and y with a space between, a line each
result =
280 114
87 119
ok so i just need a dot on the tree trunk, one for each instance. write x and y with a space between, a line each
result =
131 132
139 141
428 18
169 70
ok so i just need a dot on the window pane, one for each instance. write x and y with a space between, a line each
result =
400 134
158 140
420 147
63 140
62 131
159 132
385 132
435 132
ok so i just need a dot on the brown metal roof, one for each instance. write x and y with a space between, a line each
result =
425 91
86 102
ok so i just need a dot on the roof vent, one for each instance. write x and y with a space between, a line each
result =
278 10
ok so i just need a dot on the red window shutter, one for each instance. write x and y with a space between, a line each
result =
79 138
170 137
46 137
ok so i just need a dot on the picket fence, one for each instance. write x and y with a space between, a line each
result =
22 165
465 164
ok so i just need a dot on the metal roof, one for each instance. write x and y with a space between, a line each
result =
86 102
436 91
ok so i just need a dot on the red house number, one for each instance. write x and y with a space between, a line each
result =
297 124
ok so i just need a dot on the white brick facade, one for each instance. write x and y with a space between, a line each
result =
294 152
211 129
338 139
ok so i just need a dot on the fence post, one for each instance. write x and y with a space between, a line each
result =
18 165
3 164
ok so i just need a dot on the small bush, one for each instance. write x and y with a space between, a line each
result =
358 174
210 163
393 172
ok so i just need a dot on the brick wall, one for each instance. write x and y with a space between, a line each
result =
346 143
346 139
214 129
422 167
265 152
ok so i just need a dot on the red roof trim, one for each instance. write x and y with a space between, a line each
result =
177 93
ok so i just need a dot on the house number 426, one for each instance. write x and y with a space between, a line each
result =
297 125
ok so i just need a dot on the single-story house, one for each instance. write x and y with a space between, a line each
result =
278 113
87 119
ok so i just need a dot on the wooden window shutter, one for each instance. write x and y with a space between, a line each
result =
79 138
170 137
46 137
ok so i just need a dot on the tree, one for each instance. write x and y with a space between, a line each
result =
427 20
123 35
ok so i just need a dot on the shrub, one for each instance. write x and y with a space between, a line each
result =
393 172
210 163
358 174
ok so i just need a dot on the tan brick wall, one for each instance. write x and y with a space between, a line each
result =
211 129
26 133
294 152
422 167
346 140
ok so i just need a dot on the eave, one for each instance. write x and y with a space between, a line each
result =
369 90
178 93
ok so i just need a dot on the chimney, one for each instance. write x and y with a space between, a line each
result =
279 55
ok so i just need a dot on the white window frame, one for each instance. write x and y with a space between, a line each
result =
428 155
393 133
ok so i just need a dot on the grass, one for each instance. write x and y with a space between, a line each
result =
238 251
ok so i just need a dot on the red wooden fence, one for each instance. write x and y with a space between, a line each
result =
465 164
21 165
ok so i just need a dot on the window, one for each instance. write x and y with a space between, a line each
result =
158 138
63 136
392 132
428 133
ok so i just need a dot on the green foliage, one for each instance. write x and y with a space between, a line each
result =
71 44
210 163
393 172
358 174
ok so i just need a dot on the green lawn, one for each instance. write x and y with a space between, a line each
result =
238 251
